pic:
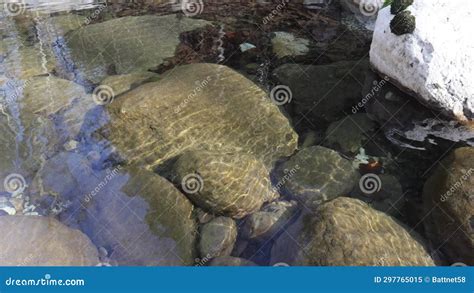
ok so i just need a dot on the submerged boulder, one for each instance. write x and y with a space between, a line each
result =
315 175
323 93
217 237
43 241
198 106
350 133
138 216
232 184
347 232
448 198
427 62
127 44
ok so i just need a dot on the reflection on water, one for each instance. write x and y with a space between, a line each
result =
48 6
107 108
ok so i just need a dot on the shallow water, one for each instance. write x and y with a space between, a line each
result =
67 154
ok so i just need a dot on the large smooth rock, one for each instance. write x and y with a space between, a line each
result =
427 62
125 45
231 184
217 237
347 232
43 241
448 198
138 216
323 93
198 106
315 175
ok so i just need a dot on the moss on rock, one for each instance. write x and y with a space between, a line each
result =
403 23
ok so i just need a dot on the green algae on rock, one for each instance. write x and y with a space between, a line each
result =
403 23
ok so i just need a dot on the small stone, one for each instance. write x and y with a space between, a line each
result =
286 44
246 46
202 216
218 237
6 206
269 221
71 145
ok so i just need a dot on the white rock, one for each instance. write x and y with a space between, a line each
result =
436 62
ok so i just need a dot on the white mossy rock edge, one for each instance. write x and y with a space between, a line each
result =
436 62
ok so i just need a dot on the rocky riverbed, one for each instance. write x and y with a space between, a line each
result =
236 133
